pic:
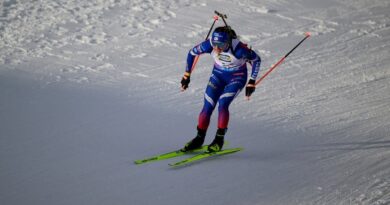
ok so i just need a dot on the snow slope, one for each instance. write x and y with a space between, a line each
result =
89 86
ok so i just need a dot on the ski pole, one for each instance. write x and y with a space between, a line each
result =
282 59
223 17
208 34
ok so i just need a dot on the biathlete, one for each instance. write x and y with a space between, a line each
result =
228 78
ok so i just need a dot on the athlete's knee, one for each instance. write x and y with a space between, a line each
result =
223 104
207 109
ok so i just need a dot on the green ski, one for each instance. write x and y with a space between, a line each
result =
205 155
169 155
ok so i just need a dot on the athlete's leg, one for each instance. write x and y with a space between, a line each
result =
213 92
227 97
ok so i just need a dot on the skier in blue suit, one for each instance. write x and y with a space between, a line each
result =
228 78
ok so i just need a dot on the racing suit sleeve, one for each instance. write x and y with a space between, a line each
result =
204 47
242 51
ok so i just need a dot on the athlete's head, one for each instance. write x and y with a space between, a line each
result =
220 39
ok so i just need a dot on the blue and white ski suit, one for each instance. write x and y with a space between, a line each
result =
228 77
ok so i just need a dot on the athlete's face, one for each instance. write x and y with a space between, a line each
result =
219 47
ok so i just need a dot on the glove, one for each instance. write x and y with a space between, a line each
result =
185 81
250 88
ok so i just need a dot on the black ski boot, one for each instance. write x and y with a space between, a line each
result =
217 143
197 142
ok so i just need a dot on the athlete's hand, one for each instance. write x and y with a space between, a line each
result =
250 88
185 81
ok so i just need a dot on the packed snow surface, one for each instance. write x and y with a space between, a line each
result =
87 87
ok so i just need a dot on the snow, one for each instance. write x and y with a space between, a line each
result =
87 87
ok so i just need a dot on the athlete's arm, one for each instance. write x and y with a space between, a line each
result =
204 47
242 51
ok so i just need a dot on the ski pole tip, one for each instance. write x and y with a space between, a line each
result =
215 17
308 34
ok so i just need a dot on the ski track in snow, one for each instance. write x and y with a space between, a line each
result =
331 94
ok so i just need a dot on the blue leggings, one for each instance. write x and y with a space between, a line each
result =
223 87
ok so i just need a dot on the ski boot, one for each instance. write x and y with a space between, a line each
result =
197 142
217 143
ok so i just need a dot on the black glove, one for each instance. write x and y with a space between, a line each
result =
250 88
185 81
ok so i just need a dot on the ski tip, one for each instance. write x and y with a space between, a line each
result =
236 149
308 34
